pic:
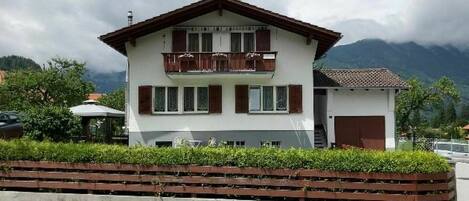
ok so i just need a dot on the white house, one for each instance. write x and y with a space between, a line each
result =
235 72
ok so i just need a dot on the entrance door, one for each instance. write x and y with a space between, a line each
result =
364 132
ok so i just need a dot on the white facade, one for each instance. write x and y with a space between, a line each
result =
360 102
293 66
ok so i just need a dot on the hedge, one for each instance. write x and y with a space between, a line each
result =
352 160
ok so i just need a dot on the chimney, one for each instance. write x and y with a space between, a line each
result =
130 17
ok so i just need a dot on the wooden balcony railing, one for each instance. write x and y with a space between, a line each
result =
214 62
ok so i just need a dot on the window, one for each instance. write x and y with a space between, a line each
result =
235 42
444 147
461 148
160 99
235 143
202 98
254 98
163 144
166 99
274 144
189 99
282 97
193 44
268 98
248 42
207 42
172 99
195 99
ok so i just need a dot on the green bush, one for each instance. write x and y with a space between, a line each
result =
353 160
50 123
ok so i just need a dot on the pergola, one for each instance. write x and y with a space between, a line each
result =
91 110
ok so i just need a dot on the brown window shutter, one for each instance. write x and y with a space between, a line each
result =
295 98
263 40
179 41
144 99
215 97
242 99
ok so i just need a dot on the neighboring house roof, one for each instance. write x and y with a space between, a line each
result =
2 76
358 78
94 96
466 127
118 38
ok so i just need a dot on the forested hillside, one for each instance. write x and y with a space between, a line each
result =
14 62
428 63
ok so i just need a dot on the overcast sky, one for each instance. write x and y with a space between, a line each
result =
69 28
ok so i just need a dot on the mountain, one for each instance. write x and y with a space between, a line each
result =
410 59
14 62
106 82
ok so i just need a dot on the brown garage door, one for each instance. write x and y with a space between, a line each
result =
365 132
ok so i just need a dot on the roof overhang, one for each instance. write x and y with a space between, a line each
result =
326 38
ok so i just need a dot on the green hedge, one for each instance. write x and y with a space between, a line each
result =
334 160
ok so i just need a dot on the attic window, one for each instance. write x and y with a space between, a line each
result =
248 42
193 42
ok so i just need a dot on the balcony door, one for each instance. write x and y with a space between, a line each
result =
200 42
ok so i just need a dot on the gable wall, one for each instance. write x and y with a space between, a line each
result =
294 66
360 102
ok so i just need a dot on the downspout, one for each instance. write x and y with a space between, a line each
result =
127 87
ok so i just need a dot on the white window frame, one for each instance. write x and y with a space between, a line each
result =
269 143
235 142
242 32
196 89
199 33
166 100
199 36
261 111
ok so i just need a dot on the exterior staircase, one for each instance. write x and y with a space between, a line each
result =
320 138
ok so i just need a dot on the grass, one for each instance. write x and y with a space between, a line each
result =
405 146
353 160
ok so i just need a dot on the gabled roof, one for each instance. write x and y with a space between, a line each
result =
358 78
117 39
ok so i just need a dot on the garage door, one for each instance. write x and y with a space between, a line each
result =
365 132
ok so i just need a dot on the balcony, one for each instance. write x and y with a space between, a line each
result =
219 65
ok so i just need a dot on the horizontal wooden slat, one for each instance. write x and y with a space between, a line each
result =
226 170
224 180
213 62
219 191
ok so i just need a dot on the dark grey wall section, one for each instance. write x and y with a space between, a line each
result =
288 138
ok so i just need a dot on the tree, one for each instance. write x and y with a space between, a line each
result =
115 99
53 123
61 83
319 65
412 102
465 112
451 115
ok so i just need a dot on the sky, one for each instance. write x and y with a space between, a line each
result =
69 28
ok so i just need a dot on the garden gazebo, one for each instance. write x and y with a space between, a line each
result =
91 110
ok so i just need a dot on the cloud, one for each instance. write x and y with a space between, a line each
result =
69 28
437 22
45 29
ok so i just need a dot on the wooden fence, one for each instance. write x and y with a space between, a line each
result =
226 182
